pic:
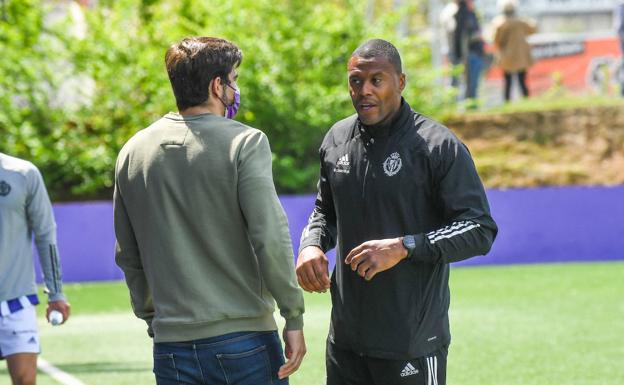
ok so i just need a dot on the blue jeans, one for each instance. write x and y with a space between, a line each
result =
475 66
243 358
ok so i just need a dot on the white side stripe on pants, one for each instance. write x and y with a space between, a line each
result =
428 372
432 370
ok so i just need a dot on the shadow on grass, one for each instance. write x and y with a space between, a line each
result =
105 367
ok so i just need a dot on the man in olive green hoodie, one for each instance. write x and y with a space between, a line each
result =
201 236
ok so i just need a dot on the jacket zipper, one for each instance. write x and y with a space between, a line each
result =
367 155
364 182
368 152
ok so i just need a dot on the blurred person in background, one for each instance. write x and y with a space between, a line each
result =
447 21
468 45
400 198
619 27
513 50
202 238
25 209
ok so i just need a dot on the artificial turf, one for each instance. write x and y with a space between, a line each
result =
555 324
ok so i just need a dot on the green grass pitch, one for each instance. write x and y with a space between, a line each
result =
555 324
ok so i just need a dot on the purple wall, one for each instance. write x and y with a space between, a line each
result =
556 224
535 225
86 241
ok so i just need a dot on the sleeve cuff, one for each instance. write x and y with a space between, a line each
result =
56 297
421 251
295 323
150 330
305 244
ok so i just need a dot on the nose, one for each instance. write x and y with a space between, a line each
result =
367 88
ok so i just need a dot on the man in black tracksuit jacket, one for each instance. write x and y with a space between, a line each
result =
400 197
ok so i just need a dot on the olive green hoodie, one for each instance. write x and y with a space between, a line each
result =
201 236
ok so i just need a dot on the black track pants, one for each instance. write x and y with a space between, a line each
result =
345 367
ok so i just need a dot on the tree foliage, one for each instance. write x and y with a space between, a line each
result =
68 100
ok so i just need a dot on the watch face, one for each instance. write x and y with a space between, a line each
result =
409 242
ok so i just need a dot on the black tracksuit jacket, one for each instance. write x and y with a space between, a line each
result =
412 177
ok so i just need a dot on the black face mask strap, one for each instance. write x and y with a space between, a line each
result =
225 84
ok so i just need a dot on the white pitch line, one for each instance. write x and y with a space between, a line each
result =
57 374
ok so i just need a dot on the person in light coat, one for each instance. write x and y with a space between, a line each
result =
513 50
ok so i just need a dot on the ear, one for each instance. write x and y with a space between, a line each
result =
402 82
216 87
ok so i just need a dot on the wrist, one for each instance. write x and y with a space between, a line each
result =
309 246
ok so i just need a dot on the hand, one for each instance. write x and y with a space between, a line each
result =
295 350
312 270
60 306
373 257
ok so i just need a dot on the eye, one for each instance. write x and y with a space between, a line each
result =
377 81
355 81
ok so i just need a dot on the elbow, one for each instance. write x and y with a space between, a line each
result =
488 236
485 248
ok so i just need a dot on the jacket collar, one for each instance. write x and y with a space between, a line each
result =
378 131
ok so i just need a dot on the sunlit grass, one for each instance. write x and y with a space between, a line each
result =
556 324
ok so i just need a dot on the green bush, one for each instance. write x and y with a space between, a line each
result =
292 79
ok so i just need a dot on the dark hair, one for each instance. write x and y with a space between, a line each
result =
380 48
194 62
